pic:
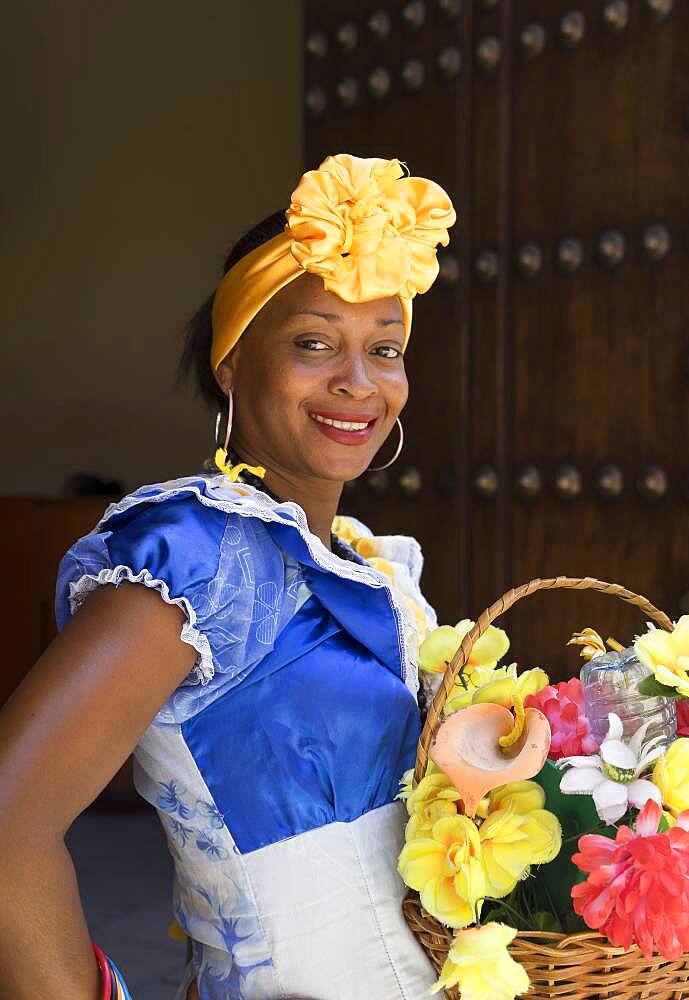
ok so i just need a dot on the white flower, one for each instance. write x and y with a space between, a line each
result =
612 775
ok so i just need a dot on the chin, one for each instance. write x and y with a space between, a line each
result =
341 469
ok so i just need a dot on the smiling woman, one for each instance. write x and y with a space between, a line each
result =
270 697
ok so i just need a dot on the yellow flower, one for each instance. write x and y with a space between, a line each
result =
496 685
441 645
671 775
344 529
434 797
520 796
590 641
367 229
501 690
531 682
407 780
517 833
479 964
446 869
667 655
464 689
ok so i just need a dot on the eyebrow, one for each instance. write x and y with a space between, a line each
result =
335 318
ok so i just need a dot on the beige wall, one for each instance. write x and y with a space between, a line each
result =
144 137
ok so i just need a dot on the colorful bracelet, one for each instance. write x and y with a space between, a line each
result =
114 986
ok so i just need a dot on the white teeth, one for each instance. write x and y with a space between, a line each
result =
342 425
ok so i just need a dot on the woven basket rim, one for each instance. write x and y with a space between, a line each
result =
486 619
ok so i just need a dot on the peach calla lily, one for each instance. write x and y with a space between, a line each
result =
467 750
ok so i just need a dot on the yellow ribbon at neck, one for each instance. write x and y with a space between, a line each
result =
234 471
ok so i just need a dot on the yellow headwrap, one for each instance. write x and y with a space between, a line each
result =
369 230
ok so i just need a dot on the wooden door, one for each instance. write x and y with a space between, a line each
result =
34 535
550 367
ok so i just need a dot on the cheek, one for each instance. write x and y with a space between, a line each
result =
286 386
397 391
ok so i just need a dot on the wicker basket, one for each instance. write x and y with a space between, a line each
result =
560 966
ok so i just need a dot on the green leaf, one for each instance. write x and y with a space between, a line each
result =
663 826
651 688
547 922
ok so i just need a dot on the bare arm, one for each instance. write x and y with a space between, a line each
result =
65 732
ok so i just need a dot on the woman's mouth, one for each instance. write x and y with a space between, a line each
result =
345 428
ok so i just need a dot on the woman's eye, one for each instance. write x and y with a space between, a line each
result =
387 351
312 344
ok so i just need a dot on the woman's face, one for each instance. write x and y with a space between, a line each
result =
318 383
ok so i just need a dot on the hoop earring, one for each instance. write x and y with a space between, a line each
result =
221 459
228 431
379 468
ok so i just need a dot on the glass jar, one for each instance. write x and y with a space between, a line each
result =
610 684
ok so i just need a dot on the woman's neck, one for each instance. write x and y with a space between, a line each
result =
318 499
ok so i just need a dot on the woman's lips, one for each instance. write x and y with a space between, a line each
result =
352 433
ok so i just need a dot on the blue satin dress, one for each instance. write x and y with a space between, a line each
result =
275 765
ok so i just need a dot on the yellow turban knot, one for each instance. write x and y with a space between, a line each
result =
369 230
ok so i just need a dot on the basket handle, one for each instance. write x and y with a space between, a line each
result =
503 604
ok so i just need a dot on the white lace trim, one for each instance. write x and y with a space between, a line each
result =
203 669
246 501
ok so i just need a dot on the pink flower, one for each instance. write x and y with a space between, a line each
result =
682 705
563 706
637 891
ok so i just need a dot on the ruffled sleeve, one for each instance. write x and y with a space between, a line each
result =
221 569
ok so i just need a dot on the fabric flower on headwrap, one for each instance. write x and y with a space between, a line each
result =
364 226
368 229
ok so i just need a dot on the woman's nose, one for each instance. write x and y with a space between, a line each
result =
354 379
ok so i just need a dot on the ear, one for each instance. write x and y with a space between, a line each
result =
225 375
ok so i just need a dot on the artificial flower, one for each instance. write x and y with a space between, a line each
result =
521 796
480 965
467 686
667 655
446 870
434 797
345 529
502 690
441 645
637 890
682 709
516 834
612 775
563 706
406 785
468 747
367 229
671 776
407 780
590 641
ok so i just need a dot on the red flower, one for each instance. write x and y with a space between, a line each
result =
637 891
682 716
563 706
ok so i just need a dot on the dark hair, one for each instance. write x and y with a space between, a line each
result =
194 363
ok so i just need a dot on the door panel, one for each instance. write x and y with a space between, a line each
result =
599 147
423 119
550 371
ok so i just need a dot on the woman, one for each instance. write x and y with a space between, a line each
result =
270 696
